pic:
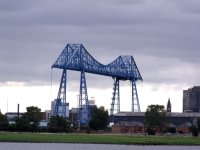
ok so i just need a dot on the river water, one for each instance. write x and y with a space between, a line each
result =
56 146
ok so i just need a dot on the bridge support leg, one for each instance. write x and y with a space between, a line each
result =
60 102
84 110
115 99
135 100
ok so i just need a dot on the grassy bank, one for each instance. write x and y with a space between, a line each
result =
100 139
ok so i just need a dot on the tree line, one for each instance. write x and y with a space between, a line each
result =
30 121
156 119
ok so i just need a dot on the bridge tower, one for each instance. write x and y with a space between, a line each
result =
132 70
60 102
135 99
84 109
115 98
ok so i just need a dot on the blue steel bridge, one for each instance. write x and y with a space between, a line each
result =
76 57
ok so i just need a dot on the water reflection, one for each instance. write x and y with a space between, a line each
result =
56 146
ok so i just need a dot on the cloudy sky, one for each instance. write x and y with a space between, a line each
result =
163 37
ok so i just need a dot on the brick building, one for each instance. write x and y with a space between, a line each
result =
134 122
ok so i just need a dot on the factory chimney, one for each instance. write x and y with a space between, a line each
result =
18 111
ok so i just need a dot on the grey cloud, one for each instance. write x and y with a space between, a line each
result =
160 35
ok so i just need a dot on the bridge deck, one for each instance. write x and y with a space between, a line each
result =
76 57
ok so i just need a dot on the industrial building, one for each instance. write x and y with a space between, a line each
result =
191 99
134 122
12 116
53 106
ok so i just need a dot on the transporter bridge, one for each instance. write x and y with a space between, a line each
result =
76 57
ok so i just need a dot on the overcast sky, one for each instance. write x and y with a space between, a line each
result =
163 37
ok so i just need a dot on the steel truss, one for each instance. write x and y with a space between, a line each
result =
115 98
75 57
135 100
60 102
84 110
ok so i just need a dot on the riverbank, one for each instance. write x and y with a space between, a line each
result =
98 139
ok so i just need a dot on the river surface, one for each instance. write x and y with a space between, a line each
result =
56 146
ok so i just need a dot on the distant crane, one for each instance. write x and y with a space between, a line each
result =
75 57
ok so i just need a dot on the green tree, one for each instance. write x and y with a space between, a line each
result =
3 122
155 117
34 116
198 123
23 124
99 118
29 120
59 124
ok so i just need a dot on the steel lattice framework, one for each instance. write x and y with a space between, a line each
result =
76 57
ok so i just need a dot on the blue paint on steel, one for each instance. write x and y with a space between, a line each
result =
135 99
60 106
75 57
115 98
84 109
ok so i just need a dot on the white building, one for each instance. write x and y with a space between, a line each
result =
53 105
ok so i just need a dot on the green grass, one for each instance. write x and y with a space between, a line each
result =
98 138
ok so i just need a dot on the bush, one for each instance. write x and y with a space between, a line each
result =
42 129
171 130
99 118
3 122
88 130
59 124
194 130
12 127
150 131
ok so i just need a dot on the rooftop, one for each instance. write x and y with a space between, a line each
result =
172 114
